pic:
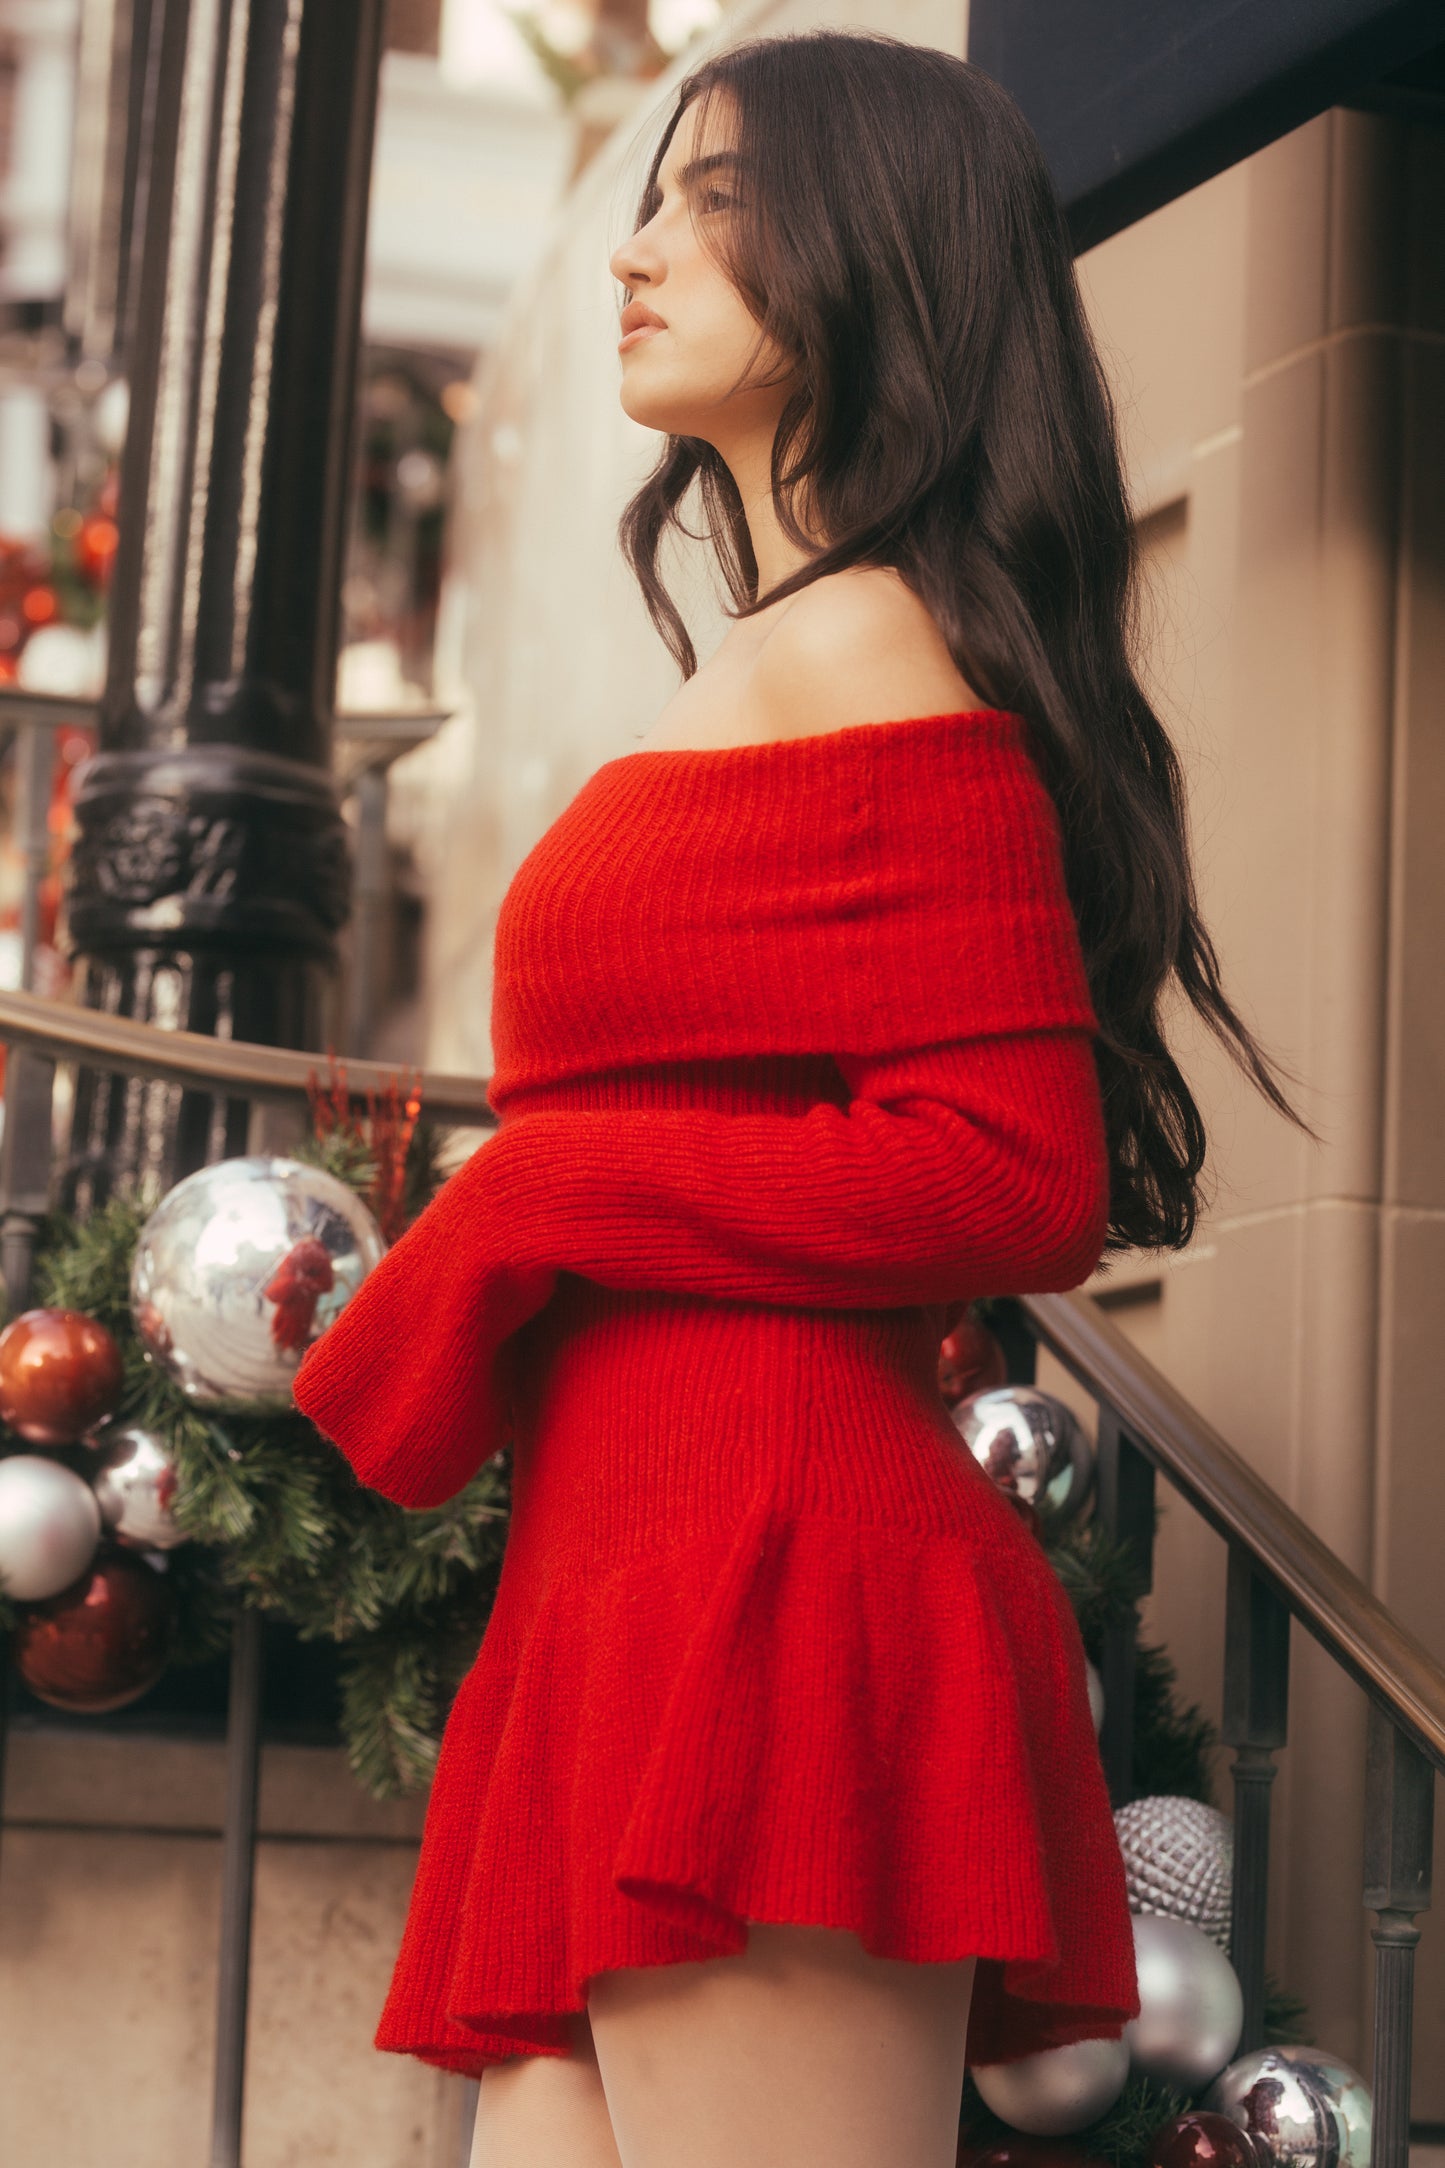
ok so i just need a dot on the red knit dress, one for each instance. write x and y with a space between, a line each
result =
792 1055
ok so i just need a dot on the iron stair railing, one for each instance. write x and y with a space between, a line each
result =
1278 1570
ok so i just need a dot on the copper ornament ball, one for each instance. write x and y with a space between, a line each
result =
970 1360
100 1643
61 1373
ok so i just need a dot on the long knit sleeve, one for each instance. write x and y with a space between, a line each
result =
412 1380
954 1168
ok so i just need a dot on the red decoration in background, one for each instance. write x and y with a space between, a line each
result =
970 1360
101 1642
392 1121
95 547
304 1274
61 1373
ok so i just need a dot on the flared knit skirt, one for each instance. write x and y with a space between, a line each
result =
768 1645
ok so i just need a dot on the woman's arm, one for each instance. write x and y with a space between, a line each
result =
954 1170
968 1168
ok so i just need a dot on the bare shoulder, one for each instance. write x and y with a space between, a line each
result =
855 647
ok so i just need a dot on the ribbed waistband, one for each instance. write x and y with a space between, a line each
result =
643 1418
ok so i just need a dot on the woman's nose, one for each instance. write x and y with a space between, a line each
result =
634 261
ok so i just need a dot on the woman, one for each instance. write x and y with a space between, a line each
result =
773 1795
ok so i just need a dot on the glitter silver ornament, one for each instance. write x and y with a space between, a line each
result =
1303 2107
1057 2090
1191 2005
135 1488
49 1526
240 1267
1179 1861
1030 1442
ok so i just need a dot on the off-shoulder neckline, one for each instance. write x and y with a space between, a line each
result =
847 732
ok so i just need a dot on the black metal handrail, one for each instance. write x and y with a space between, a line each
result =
65 1031
1278 1570
1321 1590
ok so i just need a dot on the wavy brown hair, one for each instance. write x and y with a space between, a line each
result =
952 420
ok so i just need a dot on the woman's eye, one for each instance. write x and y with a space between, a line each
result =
714 198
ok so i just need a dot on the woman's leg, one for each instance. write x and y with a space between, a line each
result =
804 2049
545 2111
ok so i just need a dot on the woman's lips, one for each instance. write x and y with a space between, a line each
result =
632 338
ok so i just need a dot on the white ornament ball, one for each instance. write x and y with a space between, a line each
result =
49 1526
1096 1693
1191 2005
1179 1860
61 659
1057 2090
240 1267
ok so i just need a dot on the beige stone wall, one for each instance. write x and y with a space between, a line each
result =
1276 338
110 1909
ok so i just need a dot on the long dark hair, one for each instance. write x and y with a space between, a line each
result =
952 420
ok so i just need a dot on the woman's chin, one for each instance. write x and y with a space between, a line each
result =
649 405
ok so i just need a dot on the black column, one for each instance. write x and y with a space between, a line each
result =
211 871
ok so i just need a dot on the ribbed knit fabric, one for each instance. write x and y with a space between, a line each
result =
792 1056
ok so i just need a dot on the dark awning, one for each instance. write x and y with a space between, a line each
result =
1137 100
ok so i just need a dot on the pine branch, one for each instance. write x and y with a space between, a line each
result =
1124 2135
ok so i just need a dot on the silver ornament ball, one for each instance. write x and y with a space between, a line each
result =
1030 1442
1096 1693
49 1527
1057 2090
1191 2005
135 1489
1179 1861
240 1267
1304 2108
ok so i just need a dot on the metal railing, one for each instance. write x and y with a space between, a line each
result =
1278 1570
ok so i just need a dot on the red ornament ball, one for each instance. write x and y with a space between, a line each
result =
1200 2138
100 1643
60 1374
970 1360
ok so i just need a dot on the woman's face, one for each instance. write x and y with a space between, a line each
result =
679 378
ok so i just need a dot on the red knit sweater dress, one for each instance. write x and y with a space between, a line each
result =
792 1054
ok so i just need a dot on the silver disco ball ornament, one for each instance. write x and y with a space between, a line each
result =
1191 2005
135 1489
1302 2107
1057 2090
1030 1442
240 1267
49 1526
1179 1860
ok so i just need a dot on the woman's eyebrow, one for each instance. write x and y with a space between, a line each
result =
696 167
